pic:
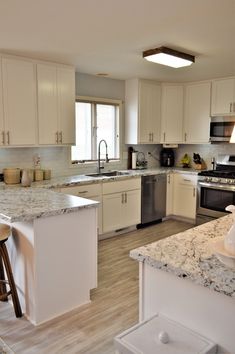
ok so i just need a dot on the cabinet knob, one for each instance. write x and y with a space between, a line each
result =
56 138
8 137
3 138
61 137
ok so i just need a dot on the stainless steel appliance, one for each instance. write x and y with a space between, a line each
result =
153 198
221 129
216 189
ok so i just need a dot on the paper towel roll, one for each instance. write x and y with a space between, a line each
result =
134 156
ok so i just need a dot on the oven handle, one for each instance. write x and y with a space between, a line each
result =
217 186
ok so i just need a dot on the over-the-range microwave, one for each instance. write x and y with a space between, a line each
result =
221 129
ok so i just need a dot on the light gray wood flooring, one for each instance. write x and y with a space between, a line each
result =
114 306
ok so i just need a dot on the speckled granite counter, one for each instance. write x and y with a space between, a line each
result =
24 204
58 182
188 255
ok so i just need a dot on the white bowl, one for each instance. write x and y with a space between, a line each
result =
221 253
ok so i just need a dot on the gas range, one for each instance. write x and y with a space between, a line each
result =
224 172
217 176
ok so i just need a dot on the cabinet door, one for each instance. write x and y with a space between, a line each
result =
131 209
112 211
66 104
19 88
222 101
185 196
1 109
149 112
172 114
197 113
47 104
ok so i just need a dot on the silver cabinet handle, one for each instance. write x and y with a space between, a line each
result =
61 137
187 180
82 192
125 198
164 136
169 179
56 138
194 192
185 136
230 109
3 138
149 136
152 136
122 198
8 137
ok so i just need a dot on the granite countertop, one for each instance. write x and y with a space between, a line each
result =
188 255
25 204
18 203
58 182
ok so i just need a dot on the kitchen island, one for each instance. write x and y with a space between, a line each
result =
53 249
182 278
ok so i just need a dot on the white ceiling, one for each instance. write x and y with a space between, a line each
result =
109 35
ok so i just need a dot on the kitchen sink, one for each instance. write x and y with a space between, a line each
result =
108 174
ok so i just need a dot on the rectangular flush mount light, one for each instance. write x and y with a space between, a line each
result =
169 57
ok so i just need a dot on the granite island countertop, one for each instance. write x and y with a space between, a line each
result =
25 204
189 255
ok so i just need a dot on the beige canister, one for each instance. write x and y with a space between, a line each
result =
47 174
11 175
38 175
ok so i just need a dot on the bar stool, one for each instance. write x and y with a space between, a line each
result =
5 232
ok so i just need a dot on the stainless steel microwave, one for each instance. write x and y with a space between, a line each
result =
221 129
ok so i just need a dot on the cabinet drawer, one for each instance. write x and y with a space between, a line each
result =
120 186
85 191
185 178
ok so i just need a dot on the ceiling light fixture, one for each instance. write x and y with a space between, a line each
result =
169 57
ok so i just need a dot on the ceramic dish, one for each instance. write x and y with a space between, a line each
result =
220 252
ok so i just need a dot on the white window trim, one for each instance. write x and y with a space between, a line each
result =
102 100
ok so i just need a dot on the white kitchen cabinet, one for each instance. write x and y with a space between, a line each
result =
172 113
19 125
197 113
56 104
121 204
169 194
184 195
88 191
142 111
223 97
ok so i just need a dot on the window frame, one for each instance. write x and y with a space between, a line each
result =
108 101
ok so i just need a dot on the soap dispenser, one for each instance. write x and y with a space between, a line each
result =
229 239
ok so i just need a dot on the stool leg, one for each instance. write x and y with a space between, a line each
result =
11 281
3 288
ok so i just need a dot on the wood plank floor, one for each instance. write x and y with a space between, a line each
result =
114 307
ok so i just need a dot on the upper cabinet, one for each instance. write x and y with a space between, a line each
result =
142 112
197 113
172 113
56 104
19 124
223 97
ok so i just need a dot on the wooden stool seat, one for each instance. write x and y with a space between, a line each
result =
5 232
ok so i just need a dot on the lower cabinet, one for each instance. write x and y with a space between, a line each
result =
121 204
184 195
89 191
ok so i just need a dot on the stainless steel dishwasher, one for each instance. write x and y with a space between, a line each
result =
153 198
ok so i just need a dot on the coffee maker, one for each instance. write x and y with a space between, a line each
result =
167 157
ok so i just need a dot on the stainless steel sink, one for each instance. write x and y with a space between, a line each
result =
108 174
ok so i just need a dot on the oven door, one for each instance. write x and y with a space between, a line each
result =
214 198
